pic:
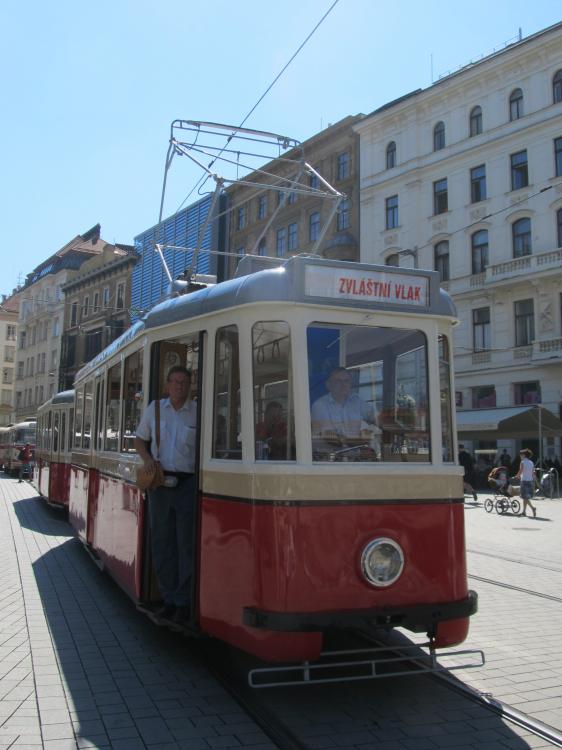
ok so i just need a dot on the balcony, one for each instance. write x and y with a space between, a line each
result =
547 350
510 269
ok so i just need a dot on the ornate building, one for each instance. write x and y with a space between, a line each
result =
465 177
9 309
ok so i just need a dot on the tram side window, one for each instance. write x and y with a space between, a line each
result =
70 428
274 418
88 398
445 399
112 408
56 432
226 419
63 432
132 397
78 422
369 393
48 432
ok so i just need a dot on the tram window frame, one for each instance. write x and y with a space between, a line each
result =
78 417
99 415
445 398
63 447
132 400
88 414
227 395
389 420
56 421
48 431
114 388
274 440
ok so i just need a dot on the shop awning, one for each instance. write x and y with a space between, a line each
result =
509 422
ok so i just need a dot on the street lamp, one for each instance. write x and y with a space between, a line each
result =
409 252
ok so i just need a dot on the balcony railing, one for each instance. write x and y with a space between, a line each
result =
510 269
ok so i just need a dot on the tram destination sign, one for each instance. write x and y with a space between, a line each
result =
367 286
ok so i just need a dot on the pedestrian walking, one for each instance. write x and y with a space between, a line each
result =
465 460
526 475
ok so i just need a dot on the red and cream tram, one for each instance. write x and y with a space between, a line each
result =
322 526
54 445
12 439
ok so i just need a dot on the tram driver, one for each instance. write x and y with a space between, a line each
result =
172 506
337 416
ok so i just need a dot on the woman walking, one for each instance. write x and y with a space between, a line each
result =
526 474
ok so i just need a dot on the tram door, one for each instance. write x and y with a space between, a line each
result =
185 351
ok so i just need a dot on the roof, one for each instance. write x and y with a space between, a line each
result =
508 422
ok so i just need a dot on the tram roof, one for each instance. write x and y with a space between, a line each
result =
302 279
63 397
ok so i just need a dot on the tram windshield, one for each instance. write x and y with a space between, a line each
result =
369 393
25 435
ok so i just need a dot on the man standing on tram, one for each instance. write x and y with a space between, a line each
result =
172 506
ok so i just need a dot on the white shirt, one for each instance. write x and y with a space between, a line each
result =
527 470
345 418
177 435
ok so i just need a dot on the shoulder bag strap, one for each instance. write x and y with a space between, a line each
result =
157 420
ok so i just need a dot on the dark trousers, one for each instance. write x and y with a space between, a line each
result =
172 519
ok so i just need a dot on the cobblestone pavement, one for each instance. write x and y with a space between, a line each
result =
80 668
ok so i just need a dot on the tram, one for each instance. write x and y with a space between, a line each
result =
12 439
335 528
55 420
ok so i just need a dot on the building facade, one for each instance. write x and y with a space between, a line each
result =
40 322
97 304
296 226
465 177
9 309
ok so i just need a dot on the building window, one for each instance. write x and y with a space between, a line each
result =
559 226
526 393
292 198
74 314
342 221
391 155
20 370
393 260
10 333
391 212
105 297
481 329
262 207
121 295
86 307
558 156
519 170
96 302
521 232
439 136
516 104
484 397
479 247
262 247
524 322
314 226
281 243
241 218
56 328
475 121
343 166
441 259
313 181
557 87
478 184
440 199
281 198
293 236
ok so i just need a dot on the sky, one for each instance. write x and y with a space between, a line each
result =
90 90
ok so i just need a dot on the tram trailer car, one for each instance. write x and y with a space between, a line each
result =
316 529
14 439
51 476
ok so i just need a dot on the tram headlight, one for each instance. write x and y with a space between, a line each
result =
382 562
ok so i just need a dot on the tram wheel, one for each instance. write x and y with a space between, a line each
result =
488 505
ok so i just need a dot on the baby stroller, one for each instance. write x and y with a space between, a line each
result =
503 500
